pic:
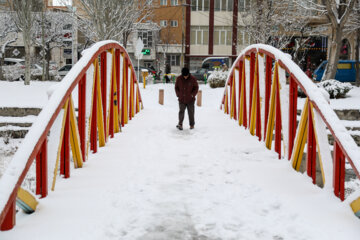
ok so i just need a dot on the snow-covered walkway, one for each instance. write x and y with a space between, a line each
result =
153 182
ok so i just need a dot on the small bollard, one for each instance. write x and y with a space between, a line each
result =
161 96
144 74
199 98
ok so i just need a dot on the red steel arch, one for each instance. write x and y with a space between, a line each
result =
119 89
261 95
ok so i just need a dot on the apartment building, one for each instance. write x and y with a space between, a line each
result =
214 28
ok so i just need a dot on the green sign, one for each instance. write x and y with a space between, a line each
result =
145 51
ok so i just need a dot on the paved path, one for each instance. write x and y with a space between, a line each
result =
153 182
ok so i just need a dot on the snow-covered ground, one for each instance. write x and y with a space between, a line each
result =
154 182
351 101
16 94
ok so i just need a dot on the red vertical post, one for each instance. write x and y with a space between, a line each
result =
278 121
103 81
111 114
93 130
245 105
230 93
65 148
311 148
293 93
252 75
258 108
268 73
82 114
339 172
41 171
10 218
117 66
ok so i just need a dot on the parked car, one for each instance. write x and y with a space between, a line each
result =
14 61
13 69
346 71
211 63
64 70
200 74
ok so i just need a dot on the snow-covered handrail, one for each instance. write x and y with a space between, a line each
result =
103 75
260 97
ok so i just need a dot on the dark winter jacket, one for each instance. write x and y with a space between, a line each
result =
186 89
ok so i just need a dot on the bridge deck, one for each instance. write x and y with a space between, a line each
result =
215 182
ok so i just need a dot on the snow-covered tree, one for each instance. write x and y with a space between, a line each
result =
24 19
352 28
274 22
111 19
52 28
337 13
8 35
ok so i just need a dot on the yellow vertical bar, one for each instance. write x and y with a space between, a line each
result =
131 93
254 99
242 97
317 143
301 137
91 107
75 137
60 144
116 97
232 107
271 117
125 99
100 118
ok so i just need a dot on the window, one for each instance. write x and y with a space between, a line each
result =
163 2
174 23
224 5
243 5
174 60
199 35
200 5
146 37
174 2
344 66
163 23
222 35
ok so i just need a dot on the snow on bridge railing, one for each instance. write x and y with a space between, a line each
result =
108 96
260 97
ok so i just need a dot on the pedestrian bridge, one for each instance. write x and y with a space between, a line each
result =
233 177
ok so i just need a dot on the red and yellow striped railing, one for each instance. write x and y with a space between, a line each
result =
261 95
108 96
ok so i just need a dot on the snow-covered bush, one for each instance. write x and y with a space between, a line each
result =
218 78
335 88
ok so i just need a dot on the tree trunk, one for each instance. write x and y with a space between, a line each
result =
2 64
334 55
27 46
43 76
47 64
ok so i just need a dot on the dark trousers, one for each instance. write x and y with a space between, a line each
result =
191 112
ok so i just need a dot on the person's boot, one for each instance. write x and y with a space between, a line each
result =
179 127
191 127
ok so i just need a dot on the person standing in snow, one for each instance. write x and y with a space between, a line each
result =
186 88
